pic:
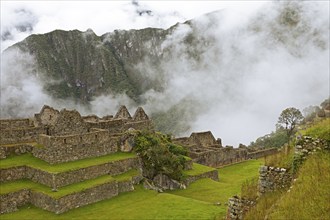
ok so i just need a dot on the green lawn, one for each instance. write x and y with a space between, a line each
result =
196 202
30 160
231 178
197 169
139 204
66 190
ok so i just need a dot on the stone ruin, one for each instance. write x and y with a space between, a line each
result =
64 136
203 148
67 136
56 137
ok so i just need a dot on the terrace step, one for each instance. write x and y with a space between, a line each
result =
55 176
199 171
18 193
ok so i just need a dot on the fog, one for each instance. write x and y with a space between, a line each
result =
242 68
246 68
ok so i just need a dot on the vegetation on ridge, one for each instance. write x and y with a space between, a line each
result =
308 197
159 155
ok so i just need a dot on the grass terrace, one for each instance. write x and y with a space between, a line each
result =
196 202
66 190
30 160
231 179
197 169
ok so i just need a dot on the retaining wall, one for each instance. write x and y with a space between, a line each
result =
211 174
56 180
271 178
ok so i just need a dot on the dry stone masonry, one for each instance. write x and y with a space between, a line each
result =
65 136
273 178
203 148
237 207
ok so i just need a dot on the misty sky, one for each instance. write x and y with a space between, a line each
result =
102 16
254 68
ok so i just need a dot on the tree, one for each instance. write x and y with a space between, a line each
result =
159 155
290 117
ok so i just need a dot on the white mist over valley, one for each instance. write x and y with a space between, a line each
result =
236 75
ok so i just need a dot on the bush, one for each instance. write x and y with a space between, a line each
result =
274 139
159 155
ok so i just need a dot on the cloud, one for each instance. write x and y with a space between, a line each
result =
101 16
239 70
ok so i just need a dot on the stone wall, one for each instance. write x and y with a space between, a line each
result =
262 153
57 180
307 145
237 207
18 149
12 173
204 149
15 123
113 126
19 135
75 200
216 157
271 178
213 174
111 168
47 116
139 125
11 201
59 149
203 139
68 122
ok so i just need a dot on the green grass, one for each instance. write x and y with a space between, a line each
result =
139 204
309 198
66 190
319 130
30 160
126 176
197 169
311 190
195 202
231 179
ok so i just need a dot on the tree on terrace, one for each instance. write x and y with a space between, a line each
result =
290 117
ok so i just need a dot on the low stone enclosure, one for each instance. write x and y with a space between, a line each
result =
275 178
51 155
205 149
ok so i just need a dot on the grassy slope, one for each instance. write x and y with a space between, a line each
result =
196 202
28 159
309 197
311 190
231 179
